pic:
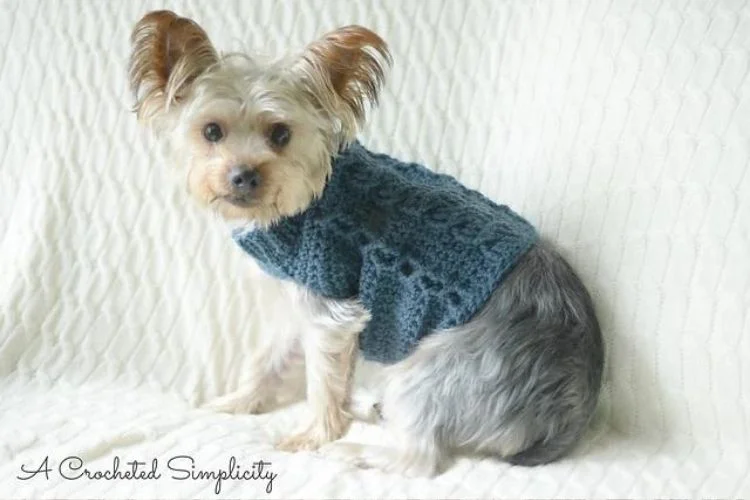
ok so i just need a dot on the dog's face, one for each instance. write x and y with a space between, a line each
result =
255 138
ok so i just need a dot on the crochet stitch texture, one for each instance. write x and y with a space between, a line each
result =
418 249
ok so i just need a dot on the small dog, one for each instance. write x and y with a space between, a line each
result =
489 341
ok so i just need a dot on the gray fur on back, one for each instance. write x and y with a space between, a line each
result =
520 380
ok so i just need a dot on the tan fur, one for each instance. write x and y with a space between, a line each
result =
283 190
330 355
180 84
169 52
322 96
347 70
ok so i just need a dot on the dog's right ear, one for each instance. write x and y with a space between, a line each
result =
168 53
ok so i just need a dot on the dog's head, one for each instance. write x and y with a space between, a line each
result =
255 138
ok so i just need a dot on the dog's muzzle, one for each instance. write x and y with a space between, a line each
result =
244 183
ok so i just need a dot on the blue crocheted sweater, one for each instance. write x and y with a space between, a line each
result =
418 249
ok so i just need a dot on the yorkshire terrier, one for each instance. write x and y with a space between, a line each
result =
488 341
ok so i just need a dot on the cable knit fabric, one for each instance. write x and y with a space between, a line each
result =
418 249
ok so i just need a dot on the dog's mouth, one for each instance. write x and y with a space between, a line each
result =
239 201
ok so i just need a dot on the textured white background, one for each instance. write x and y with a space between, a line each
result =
620 128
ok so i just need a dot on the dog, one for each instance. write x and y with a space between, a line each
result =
488 341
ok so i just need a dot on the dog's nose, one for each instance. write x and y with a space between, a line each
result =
243 180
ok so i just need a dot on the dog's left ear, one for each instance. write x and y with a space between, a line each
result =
344 71
168 53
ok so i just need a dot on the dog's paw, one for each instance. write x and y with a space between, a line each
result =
315 436
348 453
238 403
390 460
304 441
321 431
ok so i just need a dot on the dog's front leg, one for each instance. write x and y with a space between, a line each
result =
265 381
331 347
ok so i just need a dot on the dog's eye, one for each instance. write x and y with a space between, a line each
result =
212 132
279 135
